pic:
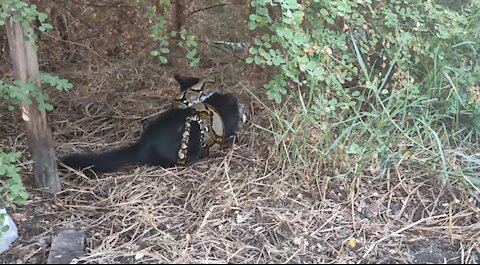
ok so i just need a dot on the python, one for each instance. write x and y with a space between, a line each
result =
200 120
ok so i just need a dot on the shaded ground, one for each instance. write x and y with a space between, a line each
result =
240 206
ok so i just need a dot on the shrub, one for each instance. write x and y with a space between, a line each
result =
11 188
375 84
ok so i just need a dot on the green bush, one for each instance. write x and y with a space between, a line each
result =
25 14
12 191
11 188
375 83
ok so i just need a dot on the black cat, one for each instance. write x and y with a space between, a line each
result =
181 135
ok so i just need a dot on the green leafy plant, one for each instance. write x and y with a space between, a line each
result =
190 43
159 36
158 31
18 92
11 188
323 54
371 82
25 14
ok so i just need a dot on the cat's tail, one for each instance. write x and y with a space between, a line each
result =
104 162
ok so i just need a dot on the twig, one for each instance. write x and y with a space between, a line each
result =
206 8
102 6
292 256
226 163
205 219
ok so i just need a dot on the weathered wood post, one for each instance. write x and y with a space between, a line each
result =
39 135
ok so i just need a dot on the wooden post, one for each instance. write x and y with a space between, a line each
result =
39 136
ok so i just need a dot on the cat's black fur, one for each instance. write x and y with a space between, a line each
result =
159 143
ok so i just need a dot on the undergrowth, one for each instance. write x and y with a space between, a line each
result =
366 90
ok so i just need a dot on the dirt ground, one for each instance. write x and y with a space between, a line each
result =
242 205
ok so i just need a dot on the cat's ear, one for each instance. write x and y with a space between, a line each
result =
186 81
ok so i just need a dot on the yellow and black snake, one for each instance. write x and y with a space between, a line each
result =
208 119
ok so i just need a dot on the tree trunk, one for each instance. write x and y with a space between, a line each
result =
180 14
39 136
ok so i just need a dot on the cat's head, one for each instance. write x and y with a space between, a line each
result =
186 82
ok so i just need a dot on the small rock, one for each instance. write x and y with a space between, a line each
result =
67 246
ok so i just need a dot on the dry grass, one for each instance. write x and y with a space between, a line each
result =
239 206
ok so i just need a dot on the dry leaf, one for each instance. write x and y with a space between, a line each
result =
297 241
19 217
